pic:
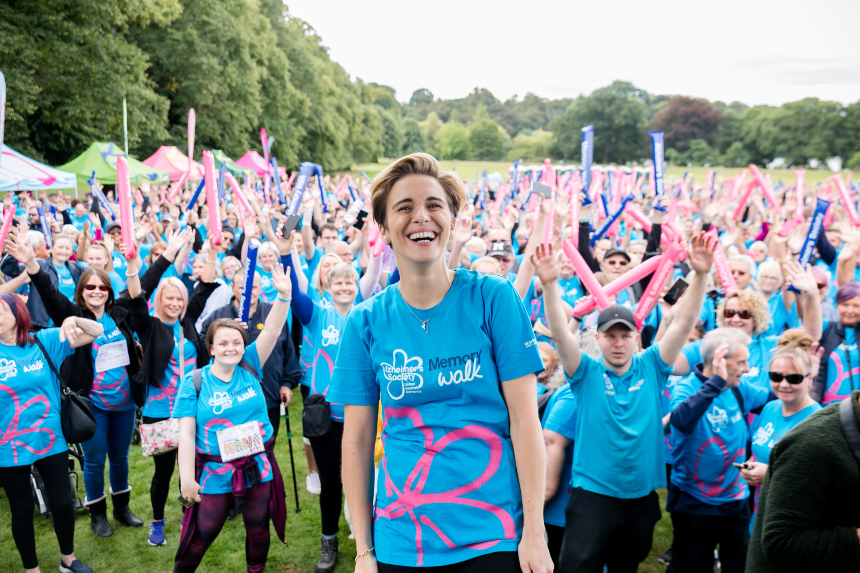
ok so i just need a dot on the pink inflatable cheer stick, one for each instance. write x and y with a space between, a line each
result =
632 276
7 224
163 196
652 292
798 191
723 270
177 186
549 174
126 216
846 199
586 276
639 217
743 201
574 210
241 200
765 187
138 197
788 226
192 126
212 197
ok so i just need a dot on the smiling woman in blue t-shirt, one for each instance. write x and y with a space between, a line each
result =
225 395
453 359
32 433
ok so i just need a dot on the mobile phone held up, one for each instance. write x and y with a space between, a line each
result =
676 291
360 219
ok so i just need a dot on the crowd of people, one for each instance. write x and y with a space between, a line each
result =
494 375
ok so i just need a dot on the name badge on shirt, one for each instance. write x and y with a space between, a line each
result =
240 441
113 355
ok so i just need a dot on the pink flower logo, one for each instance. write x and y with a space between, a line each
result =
12 434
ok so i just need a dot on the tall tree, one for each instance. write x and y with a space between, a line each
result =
684 119
485 140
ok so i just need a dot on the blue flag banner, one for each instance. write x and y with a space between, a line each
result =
586 159
319 171
222 182
815 228
45 229
657 158
248 280
482 194
306 170
276 177
97 193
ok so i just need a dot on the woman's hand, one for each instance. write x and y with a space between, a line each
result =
816 352
175 241
547 265
191 490
97 223
533 554
21 249
286 395
284 244
802 281
281 282
70 330
719 362
755 474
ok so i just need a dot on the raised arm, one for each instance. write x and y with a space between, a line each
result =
555 445
462 233
57 306
308 233
847 262
548 270
277 316
524 277
14 284
700 257
809 302
80 331
368 282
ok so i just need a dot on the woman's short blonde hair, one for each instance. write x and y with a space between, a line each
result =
414 164
482 261
755 302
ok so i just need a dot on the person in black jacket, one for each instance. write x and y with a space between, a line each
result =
281 372
63 274
104 371
171 348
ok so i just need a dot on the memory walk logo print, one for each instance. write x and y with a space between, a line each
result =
8 369
403 374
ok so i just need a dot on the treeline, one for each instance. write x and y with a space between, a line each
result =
247 64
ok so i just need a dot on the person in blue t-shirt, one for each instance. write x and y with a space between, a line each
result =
840 365
613 506
559 432
227 394
791 372
452 358
32 432
707 496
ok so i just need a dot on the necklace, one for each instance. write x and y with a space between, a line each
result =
424 323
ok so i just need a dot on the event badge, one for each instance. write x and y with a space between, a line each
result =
113 355
240 441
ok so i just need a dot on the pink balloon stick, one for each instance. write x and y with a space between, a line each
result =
655 285
8 216
126 215
192 126
846 199
632 276
639 217
743 201
177 186
240 198
723 270
765 188
212 197
788 227
586 276
798 191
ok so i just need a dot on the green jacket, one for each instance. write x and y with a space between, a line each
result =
809 506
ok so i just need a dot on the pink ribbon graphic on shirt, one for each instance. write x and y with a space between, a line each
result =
172 387
715 490
411 497
12 433
831 394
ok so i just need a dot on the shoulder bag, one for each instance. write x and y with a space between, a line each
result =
76 413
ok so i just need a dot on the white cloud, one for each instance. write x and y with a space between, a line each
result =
762 52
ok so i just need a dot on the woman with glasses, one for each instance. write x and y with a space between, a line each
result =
839 373
791 371
783 312
747 310
102 370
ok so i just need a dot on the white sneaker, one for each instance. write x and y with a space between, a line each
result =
312 483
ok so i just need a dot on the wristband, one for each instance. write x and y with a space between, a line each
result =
134 274
363 553
577 319
283 299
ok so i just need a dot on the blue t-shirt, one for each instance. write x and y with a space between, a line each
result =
160 397
30 395
267 291
619 445
570 290
560 417
441 393
224 405
704 457
322 337
761 351
772 425
781 319
65 284
309 266
119 264
840 381
111 389
79 222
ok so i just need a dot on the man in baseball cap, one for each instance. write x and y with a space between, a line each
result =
502 252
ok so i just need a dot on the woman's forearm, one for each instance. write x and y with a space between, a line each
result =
529 450
359 438
187 430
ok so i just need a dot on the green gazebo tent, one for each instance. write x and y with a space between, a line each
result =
221 157
101 158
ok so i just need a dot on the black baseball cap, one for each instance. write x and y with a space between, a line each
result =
111 226
501 249
614 251
615 315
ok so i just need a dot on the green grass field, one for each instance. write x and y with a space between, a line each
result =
467 169
128 549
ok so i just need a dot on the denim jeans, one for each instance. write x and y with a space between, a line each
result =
112 438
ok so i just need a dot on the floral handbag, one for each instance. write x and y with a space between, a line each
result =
162 437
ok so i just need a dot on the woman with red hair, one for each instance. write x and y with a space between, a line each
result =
30 416
171 348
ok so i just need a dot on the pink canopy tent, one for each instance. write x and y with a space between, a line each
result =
168 158
254 161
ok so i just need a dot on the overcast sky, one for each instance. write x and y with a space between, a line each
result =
753 51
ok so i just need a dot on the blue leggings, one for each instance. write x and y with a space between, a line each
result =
113 438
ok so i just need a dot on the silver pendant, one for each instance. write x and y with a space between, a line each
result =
424 325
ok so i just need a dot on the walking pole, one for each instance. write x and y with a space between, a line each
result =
292 461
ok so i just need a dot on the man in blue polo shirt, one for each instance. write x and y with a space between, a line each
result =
618 453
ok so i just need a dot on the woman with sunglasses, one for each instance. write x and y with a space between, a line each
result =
33 433
171 348
747 310
839 373
102 370
791 371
